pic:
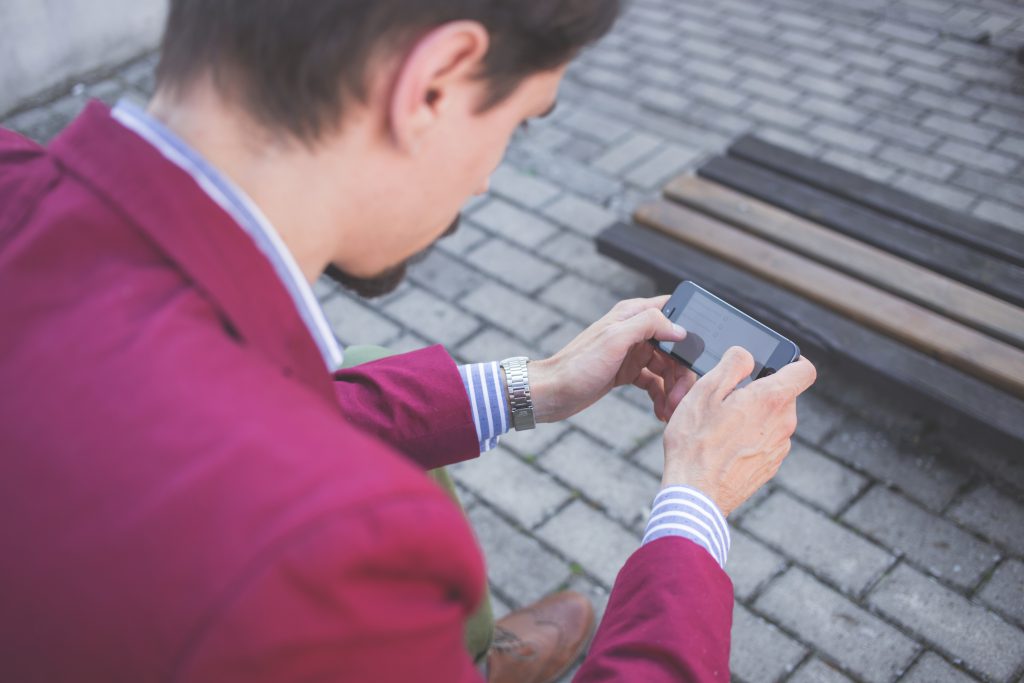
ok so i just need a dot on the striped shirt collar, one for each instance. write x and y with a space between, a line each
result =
246 214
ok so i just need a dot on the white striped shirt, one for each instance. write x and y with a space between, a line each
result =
677 510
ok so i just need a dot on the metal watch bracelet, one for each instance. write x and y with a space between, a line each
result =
520 401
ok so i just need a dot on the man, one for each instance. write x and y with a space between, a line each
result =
193 491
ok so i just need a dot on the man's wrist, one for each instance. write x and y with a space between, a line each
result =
542 390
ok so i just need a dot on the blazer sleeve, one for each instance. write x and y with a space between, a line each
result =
669 618
381 595
414 401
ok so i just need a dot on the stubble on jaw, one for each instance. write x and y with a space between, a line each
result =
387 281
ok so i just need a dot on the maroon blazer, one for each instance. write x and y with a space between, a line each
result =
187 495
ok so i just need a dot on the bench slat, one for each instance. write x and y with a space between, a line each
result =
898 276
817 329
983 235
989 359
952 259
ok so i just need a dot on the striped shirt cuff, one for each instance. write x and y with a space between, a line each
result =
487 400
685 511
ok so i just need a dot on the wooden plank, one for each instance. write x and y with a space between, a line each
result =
952 259
993 361
819 331
875 266
982 235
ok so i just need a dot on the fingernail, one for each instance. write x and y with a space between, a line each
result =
679 330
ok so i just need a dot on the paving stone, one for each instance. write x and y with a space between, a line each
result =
666 101
871 80
965 130
1004 591
669 161
510 311
493 344
521 187
950 622
783 116
517 565
520 491
408 341
605 478
354 323
581 215
533 443
993 515
760 652
580 149
817 542
829 108
715 94
821 85
907 134
751 564
873 102
445 275
844 137
938 80
926 164
1005 189
579 299
465 238
581 256
860 165
998 212
817 671
761 65
930 541
972 155
814 61
516 267
595 125
940 193
651 456
944 103
797 143
571 175
931 668
818 479
817 417
588 537
433 318
904 32
617 422
920 477
513 223
557 338
859 641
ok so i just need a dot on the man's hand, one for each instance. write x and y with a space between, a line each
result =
612 352
729 442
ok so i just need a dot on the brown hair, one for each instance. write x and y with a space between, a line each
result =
294 63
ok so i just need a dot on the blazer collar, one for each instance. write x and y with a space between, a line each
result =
165 203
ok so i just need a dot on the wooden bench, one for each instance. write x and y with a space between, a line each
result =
919 296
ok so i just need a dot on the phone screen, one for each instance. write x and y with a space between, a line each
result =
711 329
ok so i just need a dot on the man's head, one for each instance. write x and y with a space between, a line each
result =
407 103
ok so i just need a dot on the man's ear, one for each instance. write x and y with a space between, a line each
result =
436 77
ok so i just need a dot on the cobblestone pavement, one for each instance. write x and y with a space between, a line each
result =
889 547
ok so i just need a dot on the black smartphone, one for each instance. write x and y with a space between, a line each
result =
712 326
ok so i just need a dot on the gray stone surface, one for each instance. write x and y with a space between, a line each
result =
761 652
903 91
1004 591
985 642
819 479
815 541
931 542
859 641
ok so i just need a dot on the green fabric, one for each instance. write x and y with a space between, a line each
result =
480 627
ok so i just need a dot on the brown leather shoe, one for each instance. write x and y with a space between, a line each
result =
539 643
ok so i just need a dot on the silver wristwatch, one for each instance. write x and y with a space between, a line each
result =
520 401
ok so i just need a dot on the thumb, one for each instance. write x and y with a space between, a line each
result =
648 324
735 366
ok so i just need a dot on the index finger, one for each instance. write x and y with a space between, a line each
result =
793 379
